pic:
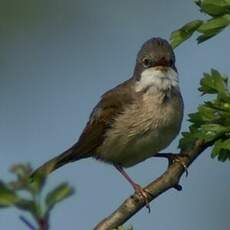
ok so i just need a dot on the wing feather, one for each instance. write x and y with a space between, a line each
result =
101 119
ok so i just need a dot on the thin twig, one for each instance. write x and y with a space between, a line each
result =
169 179
43 223
27 223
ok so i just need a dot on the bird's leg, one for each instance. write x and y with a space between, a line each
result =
137 188
174 158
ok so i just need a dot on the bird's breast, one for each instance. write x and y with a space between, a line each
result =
145 127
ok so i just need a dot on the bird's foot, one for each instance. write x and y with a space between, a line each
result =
144 194
172 158
180 159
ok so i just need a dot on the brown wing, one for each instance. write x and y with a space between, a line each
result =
112 103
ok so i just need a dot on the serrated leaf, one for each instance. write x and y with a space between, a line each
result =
221 150
209 132
185 32
220 106
7 196
58 194
213 83
225 155
214 7
216 148
206 132
187 141
204 114
211 122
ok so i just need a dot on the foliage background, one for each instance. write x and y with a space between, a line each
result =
57 58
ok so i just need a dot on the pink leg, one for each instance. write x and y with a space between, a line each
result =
137 188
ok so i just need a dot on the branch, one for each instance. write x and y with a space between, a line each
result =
169 179
27 223
43 224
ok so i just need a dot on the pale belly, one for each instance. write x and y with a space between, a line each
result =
141 131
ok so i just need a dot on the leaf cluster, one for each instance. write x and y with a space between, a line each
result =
219 13
211 122
27 196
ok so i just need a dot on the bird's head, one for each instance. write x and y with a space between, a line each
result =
155 63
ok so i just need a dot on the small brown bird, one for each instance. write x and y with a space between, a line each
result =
134 120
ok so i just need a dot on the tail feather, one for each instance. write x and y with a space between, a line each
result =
55 163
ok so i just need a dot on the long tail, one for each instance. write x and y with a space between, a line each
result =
68 156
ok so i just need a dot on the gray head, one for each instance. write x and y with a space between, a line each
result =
154 52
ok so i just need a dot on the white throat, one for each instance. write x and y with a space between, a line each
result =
161 78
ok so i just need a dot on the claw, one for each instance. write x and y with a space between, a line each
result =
174 158
138 189
181 162
144 194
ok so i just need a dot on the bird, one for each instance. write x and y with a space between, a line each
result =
134 120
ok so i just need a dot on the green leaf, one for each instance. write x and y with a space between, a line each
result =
185 32
38 183
220 106
214 23
211 122
214 7
220 12
187 141
197 2
7 196
204 114
206 132
221 150
213 83
209 132
26 205
212 27
60 193
21 170
208 34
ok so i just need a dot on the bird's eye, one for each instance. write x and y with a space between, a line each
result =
146 62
